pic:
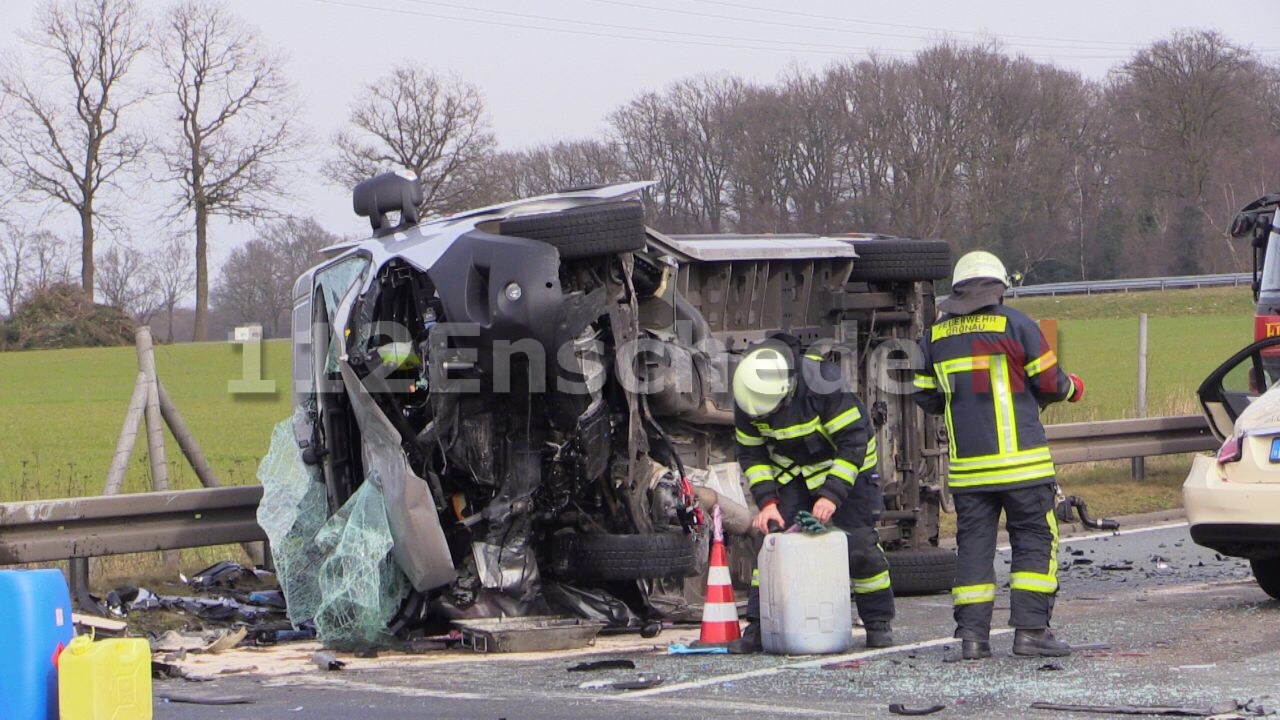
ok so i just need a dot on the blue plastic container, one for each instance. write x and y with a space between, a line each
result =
35 625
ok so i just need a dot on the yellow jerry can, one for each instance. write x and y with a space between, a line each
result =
105 680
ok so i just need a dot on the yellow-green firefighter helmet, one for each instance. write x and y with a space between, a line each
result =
979 264
762 381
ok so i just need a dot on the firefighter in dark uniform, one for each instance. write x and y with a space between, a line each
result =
989 370
805 443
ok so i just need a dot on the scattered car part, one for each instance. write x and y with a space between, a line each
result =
683 649
899 709
327 661
603 665
529 634
190 699
1067 504
1185 711
644 682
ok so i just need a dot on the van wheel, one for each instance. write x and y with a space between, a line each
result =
1267 572
922 572
624 557
587 231
901 259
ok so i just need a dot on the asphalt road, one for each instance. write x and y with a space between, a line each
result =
1184 627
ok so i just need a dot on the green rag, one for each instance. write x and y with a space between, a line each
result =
810 524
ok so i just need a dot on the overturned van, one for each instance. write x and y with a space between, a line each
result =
524 409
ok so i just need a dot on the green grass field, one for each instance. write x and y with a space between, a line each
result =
60 411
1189 333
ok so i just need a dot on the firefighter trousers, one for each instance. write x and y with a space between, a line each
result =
868 567
1033 534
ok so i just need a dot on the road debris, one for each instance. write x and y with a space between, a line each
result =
603 665
1220 708
326 660
694 649
1091 646
899 709
640 683
173 697
214 642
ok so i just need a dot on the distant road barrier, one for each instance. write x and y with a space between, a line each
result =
77 529
1089 287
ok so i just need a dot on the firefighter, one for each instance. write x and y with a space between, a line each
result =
990 371
805 443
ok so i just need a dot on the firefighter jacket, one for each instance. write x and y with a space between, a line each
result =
990 373
819 436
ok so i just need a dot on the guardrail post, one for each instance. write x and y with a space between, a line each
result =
155 426
1139 464
78 579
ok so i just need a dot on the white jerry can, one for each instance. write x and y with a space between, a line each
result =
805 607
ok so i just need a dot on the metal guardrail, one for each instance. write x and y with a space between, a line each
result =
47 530
1122 439
1089 287
77 529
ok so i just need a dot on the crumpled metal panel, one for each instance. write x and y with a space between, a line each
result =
420 548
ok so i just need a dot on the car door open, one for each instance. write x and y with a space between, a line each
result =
1229 389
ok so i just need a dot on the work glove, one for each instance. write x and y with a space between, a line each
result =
810 524
1077 388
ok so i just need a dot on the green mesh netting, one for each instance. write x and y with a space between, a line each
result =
335 571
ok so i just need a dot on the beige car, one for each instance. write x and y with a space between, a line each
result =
1233 498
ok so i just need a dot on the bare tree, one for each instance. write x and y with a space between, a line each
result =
175 275
256 283
127 280
549 168
416 120
51 258
237 127
14 248
62 139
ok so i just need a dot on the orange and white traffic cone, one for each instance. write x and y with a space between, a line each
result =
719 610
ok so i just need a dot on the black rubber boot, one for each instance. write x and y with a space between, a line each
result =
1039 643
750 641
975 649
879 634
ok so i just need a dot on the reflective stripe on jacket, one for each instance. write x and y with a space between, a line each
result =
989 373
820 436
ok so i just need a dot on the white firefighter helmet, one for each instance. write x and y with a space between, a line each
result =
979 264
762 381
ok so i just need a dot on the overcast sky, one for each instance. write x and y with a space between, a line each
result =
554 69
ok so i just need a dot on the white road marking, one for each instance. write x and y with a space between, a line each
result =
1107 534
804 665
343 681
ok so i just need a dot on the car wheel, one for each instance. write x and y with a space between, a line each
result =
588 231
921 572
880 260
1267 572
624 557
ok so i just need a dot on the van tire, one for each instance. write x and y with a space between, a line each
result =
922 572
587 231
600 556
900 259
